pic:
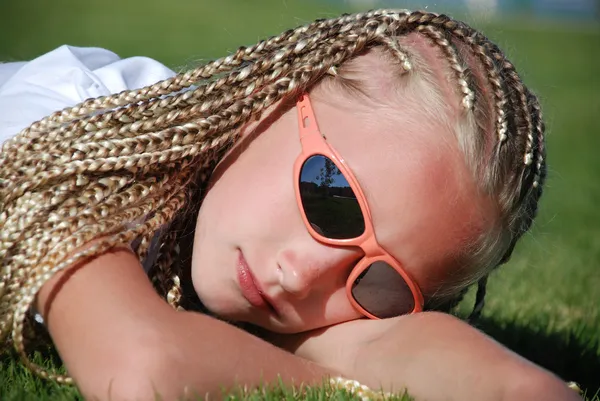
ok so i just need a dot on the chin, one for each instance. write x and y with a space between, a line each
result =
263 322
219 305
285 327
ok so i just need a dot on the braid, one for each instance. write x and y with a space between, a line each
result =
165 275
117 169
439 38
540 164
479 300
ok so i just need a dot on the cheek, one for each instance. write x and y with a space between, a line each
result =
327 308
254 194
251 195
339 309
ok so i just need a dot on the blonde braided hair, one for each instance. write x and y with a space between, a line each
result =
117 168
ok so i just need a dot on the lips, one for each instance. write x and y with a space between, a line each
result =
249 286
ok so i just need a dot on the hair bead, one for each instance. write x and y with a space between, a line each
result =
502 132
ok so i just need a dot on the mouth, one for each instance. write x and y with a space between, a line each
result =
251 289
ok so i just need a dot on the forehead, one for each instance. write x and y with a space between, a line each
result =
424 203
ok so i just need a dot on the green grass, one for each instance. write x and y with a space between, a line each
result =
545 304
19 384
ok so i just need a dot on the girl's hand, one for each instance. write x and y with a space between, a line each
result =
434 355
337 345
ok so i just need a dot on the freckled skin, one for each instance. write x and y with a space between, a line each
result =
424 205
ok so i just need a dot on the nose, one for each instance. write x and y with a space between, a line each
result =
304 270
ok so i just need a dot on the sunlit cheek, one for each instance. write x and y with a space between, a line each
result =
317 311
337 308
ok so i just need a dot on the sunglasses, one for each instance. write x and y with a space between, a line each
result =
335 212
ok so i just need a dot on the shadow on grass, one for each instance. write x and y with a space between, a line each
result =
563 353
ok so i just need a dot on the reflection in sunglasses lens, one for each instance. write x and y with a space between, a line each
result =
328 199
382 291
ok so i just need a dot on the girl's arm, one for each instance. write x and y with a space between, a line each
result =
120 341
435 356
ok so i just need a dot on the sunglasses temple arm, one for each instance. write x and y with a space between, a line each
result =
307 121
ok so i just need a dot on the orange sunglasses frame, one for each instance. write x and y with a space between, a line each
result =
314 143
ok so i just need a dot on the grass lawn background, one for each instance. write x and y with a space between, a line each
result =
545 304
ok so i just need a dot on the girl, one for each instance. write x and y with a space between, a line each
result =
321 187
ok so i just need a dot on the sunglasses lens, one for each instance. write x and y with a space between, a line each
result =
328 200
382 291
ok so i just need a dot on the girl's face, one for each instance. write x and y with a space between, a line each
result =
424 203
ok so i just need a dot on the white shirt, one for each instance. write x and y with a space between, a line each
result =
65 77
